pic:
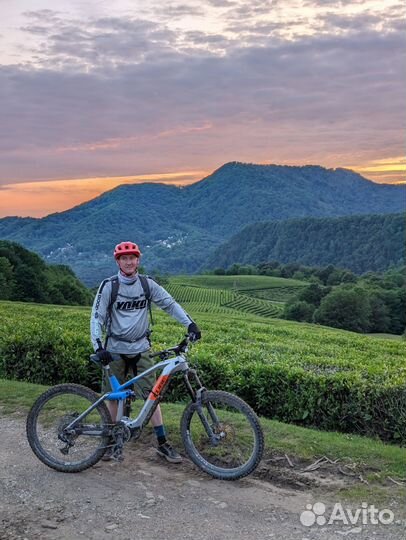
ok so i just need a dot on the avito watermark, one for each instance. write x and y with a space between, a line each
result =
316 514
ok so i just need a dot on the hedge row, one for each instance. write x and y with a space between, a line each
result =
295 373
338 402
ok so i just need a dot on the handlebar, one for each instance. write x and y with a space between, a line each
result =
180 348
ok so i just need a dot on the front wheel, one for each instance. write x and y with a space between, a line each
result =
74 449
223 437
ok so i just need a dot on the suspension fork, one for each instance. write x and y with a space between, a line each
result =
196 396
189 387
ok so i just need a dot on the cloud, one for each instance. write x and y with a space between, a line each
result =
119 96
75 44
334 3
354 23
250 10
222 3
182 9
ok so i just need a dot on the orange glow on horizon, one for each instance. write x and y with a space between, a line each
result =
388 170
39 199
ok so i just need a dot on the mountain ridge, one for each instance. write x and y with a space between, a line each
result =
177 227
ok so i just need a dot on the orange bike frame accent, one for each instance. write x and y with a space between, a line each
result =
159 386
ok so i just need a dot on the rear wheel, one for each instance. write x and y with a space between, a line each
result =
224 438
68 450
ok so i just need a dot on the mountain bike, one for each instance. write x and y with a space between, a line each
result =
69 427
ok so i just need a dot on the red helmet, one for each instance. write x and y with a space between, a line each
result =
126 248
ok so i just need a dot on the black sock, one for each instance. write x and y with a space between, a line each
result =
161 440
160 434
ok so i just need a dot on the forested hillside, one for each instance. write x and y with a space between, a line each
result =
358 243
374 303
177 228
24 276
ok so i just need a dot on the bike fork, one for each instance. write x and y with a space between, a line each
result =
197 398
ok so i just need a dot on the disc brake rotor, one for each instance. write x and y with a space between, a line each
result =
225 431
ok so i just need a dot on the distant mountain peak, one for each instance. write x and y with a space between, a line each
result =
283 168
203 214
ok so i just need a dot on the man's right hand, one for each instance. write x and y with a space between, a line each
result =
104 356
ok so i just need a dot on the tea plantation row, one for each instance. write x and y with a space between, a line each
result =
297 373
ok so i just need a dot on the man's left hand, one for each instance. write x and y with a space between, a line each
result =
194 332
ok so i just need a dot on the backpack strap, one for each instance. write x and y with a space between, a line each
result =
115 285
147 291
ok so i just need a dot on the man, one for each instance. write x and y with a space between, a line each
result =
127 330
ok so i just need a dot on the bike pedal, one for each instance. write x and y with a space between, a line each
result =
117 453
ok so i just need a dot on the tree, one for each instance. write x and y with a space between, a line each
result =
313 294
29 286
289 269
24 276
247 270
379 319
324 273
395 300
345 308
348 277
7 282
267 267
335 277
299 311
233 270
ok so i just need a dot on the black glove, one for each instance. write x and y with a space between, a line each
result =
104 356
194 332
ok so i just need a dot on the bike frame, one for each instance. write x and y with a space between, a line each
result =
120 392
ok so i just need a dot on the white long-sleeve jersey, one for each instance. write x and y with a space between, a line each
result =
128 325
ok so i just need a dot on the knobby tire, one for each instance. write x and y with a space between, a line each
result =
240 449
55 409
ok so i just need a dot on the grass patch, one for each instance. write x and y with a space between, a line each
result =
238 282
386 336
369 454
17 397
377 459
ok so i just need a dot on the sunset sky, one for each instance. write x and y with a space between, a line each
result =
100 93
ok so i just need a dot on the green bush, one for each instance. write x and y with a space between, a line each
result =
45 355
345 308
299 311
338 402
297 373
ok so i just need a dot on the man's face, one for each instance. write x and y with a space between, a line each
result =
128 264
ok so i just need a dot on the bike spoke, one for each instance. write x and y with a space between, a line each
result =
62 447
51 424
234 439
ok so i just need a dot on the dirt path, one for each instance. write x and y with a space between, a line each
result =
147 498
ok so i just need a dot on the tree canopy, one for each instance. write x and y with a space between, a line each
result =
24 276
